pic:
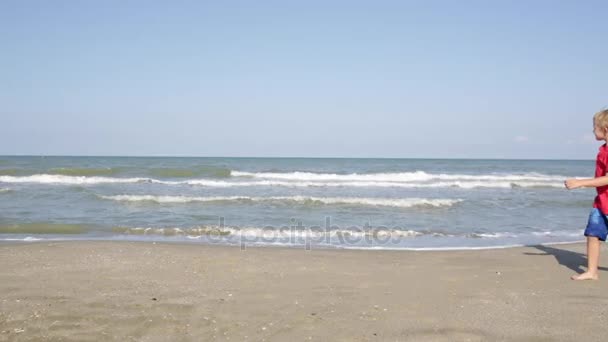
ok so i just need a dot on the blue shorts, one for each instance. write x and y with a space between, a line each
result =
597 225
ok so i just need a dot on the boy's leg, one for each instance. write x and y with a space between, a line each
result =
596 231
593 259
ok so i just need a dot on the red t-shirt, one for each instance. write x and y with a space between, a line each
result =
601 169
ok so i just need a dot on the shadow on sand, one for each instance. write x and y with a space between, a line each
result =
573 260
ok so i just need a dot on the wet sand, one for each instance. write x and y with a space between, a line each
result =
138 291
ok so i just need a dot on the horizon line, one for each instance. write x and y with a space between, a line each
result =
281 157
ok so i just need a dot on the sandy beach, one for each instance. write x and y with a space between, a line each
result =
138 291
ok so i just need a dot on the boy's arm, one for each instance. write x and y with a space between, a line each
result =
587 183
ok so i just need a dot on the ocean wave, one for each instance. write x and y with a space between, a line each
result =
443 184
305 200
267 234
464 184
264 233
4 190
496 235
416 176
512 235
62 179
25 239
457 248
369 238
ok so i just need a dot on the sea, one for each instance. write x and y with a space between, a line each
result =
410 204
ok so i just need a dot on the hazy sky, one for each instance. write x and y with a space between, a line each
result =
434 79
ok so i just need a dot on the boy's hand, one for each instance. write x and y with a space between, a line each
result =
572 184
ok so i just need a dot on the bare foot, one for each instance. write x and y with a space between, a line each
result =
585 276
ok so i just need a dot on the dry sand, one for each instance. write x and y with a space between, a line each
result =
137 291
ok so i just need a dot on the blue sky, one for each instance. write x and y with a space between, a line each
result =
429 79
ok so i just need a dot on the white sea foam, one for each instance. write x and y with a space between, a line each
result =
417 179
61 179
343 238
388 202
442 184
495 235
558 233
416 176
365 184
266 235
27 238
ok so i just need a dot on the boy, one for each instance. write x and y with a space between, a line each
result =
597 227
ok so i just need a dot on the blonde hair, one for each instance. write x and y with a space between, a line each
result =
601 118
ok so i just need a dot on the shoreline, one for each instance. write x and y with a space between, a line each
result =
33 239
19 242
120 290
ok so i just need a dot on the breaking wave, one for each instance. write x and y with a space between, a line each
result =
417 179
302 200
416 176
